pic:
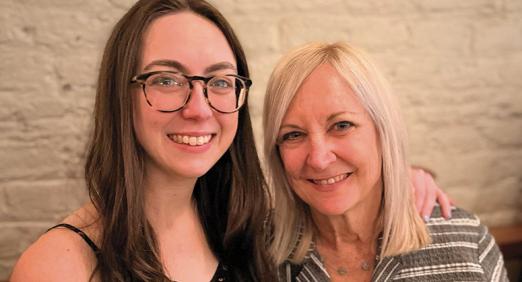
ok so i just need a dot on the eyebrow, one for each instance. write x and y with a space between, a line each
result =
292 126
220 66
329 119
179 66
166 63
336 114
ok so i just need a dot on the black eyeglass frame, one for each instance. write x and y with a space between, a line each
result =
142 78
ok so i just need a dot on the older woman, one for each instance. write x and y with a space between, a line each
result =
336 152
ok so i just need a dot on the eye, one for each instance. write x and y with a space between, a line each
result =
291 137
221 82
164 80
342 126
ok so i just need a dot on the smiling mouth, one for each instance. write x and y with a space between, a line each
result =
190 140
331 180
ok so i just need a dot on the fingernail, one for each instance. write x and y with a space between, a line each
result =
426 218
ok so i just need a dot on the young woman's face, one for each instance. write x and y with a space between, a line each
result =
188 142
329 145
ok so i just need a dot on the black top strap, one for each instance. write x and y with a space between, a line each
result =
81 233
221 273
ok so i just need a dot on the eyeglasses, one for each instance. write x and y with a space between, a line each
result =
169 91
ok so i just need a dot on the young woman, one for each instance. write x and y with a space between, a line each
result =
173 175
176 190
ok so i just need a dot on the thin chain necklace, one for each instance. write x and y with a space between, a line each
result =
365 265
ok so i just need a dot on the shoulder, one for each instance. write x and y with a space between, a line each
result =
452 240
462 230
58 255
456 250
461 222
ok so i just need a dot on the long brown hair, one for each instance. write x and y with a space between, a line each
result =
231 197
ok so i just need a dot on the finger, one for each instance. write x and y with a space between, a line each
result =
445 203
429 198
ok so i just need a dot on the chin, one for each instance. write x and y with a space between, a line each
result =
331 208
191 170
332 212
196 173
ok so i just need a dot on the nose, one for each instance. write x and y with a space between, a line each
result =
197 107
320 154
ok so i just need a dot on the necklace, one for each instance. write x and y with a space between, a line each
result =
343 271
365 265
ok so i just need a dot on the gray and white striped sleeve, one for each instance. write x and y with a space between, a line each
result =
490 257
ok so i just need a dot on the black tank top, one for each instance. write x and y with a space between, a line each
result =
221 274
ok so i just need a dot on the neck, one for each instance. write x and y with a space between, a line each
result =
357 226
180 236
167 200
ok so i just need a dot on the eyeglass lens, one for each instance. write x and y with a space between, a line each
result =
170 92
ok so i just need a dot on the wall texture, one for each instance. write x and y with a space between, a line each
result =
456 66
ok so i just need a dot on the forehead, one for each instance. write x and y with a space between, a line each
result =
324 92
188 38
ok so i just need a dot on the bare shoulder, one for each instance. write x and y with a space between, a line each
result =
58 255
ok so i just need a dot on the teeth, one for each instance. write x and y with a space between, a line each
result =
190 140
330 180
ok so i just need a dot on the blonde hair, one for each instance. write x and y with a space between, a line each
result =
401 226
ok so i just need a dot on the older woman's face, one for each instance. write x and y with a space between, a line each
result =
329 146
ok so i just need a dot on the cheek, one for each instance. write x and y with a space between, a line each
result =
137 120
147 122
376 156
229 124
234 123
369 158
139 109
291 160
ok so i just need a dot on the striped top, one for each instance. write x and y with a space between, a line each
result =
461 250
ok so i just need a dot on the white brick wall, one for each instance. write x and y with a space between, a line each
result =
456 65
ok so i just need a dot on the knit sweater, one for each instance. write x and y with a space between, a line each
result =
461 250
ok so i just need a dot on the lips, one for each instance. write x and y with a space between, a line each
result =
190 140
331 180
